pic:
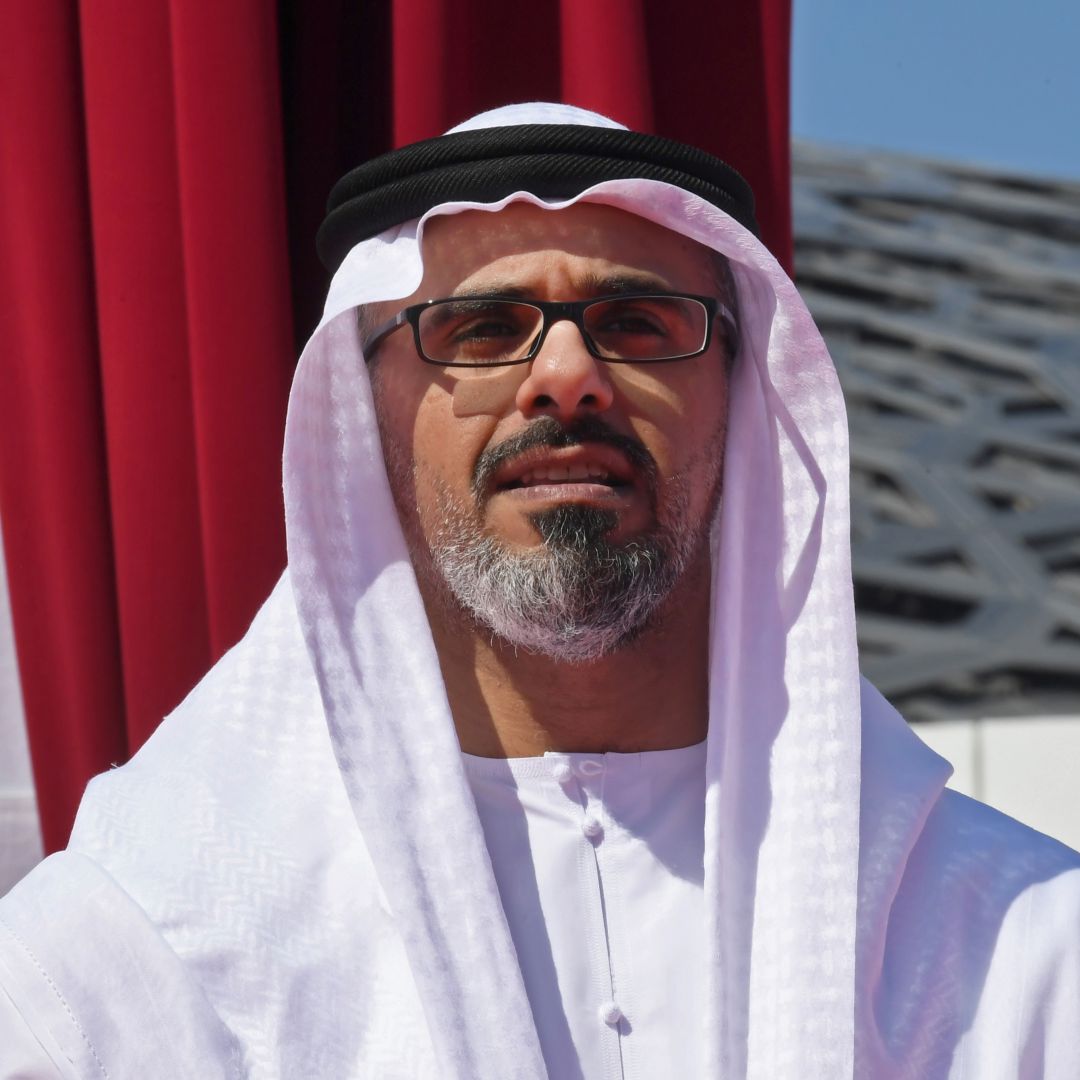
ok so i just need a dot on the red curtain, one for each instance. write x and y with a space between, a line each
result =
162 172
714 73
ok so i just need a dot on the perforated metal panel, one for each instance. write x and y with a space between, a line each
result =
950 299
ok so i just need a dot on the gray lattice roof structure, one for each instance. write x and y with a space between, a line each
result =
950 299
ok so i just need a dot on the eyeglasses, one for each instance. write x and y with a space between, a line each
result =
477 332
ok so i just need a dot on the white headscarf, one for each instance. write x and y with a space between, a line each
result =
783 767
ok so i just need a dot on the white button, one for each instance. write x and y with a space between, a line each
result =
610 1013
591 826
563 773
591 768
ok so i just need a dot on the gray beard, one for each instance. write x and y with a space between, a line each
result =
576 597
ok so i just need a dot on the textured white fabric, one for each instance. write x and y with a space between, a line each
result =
599 860
291 880
26 1049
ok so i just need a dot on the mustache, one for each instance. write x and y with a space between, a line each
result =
549 432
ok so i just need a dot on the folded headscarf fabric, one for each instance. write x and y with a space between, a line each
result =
554 161
290 879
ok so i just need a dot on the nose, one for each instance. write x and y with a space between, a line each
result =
564 380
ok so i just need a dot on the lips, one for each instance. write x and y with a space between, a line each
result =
556 474
545 467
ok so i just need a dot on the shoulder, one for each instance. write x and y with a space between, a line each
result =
989 850
936 865
1019 918
975 877
221 866
241 774
980 969
1013 892
82 967
26 1051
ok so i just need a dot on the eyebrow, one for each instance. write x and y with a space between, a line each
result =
591 284
635 281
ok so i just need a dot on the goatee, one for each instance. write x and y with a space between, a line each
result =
579 595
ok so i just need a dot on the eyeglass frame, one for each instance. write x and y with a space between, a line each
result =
552 312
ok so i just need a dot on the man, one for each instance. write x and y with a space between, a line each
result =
549 757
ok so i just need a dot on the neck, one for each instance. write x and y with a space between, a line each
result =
650 695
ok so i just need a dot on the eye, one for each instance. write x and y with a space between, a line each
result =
462 321
632 317
656 327
631 322
484 328
474 331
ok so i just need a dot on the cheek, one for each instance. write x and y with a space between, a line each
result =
446 444
486 393
409 415
432 409
677 411
648 396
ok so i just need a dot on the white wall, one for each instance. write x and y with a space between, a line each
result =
1029 767
20 836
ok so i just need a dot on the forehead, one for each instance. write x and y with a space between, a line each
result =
524 241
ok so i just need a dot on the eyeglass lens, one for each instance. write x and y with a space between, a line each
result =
637 328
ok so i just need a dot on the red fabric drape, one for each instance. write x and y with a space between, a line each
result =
162 171
708 72
54 487
148 349
148 412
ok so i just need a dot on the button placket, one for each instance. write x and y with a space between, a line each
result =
591 777
573 780
570 801
610 1013
562 773
592 827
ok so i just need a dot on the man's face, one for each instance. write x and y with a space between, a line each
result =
606 475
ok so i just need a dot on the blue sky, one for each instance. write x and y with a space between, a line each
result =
995 82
